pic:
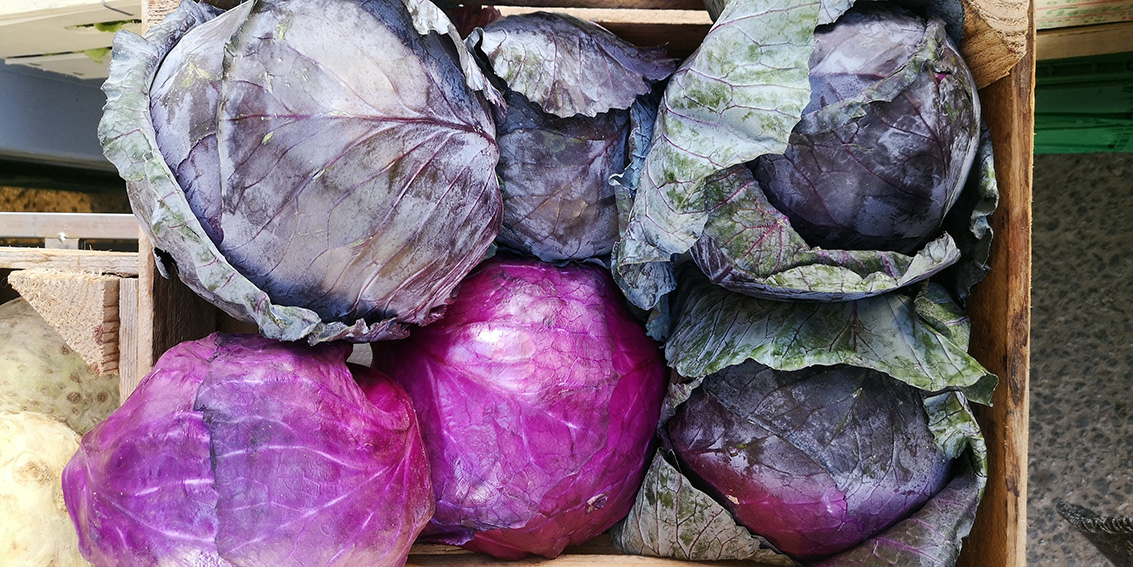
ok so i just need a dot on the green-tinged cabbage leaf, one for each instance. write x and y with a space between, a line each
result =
752 248
736 98
673 518
715 328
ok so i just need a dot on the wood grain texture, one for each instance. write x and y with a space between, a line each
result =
1000 314
1083 41
118 263
128 376
995 37
86 317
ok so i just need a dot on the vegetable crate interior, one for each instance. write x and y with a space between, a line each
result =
470 285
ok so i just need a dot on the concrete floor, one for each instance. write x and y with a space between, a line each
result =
1081 433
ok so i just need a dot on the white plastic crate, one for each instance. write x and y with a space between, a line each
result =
64 36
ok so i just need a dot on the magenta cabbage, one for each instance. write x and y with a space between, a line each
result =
538 397
237 450
815 460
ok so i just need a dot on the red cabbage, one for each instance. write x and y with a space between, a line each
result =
815 460
538 395
237 450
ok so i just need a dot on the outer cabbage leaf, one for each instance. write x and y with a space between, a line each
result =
427 18
140 489
357 311
239 450
969 222
673 518
930 537
568 66
538 395
676 210
129 142
330 455
715 328
184 99
736 98
569 84
750 247
644 285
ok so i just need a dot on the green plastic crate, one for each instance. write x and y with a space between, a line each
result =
1084 104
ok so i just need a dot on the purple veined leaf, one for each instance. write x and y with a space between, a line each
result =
933 535
355 185
184 99
568 66
140 489
376 296
345 487
569 85
129 141
887 140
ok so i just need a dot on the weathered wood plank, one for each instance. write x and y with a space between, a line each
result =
81 306
995 37
128 377
1000 314
102 226
95 261
1100 39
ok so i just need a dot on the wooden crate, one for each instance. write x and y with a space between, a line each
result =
999 45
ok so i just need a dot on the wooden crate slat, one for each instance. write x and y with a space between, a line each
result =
96 261
103 226
22 9
128 377
1000 315
1101 39
697 5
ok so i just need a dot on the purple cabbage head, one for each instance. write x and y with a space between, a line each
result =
538 395
569 84
323 168
886 143
237 450
816 460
